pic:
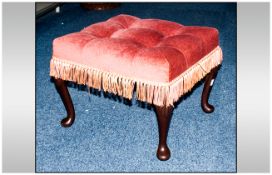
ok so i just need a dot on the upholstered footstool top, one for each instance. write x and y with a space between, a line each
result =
159 59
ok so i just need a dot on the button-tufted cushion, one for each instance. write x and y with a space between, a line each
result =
144 50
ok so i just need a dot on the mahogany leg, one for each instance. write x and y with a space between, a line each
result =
164 116
67 101
208 108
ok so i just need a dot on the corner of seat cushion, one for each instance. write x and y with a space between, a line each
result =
209 36
69 46
158 64
189 45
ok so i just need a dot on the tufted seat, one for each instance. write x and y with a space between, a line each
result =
163 59
159 60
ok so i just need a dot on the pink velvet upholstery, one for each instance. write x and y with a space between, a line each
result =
161 60
146 49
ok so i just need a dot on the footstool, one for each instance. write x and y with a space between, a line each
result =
159 60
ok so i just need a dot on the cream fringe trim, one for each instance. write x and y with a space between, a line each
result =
158 93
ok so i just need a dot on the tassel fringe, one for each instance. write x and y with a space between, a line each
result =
161 94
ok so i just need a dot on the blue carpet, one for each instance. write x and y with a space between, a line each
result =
110 136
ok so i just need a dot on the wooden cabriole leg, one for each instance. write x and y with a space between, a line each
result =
164 114
67 101
208 108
